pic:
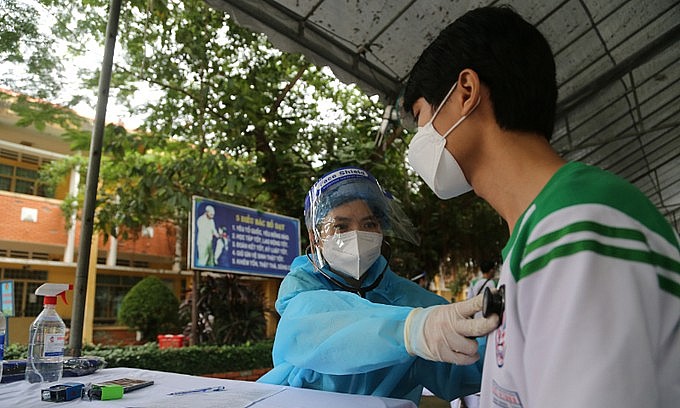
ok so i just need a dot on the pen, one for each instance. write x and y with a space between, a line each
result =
209 389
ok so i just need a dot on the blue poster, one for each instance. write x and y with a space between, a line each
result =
230 238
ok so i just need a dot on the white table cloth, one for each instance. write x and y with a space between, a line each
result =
236 394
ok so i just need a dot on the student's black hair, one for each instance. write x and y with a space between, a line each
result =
510 56
487 266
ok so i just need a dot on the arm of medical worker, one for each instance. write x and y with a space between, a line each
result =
446 332
334 332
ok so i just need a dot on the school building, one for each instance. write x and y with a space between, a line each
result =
38 245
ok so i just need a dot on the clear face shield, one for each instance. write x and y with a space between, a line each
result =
347 213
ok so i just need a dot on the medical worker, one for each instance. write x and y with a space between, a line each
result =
350 324
591 270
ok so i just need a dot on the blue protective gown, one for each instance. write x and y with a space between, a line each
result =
333 340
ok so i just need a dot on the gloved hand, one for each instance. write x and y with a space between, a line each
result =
446 332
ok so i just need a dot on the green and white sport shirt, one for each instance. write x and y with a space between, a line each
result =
592 315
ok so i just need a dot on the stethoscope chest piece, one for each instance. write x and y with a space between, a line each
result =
494 302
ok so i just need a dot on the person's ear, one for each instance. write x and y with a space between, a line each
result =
312 239
469 87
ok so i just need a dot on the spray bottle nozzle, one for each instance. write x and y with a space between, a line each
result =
52 290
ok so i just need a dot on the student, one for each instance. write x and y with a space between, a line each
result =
477 285
350 324
591 270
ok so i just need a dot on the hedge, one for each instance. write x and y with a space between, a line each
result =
194 360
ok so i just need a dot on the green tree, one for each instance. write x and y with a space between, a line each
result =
149 307
27 51
231 118
245 114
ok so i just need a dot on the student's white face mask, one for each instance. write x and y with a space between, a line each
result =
352 252
429 157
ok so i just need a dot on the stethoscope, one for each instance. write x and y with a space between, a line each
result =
356 288
494 302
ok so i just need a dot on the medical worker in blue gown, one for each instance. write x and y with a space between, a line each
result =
349 324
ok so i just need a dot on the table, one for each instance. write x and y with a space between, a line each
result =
237 394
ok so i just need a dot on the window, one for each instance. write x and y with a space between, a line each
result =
20 179
125 262
6 173
26 281
110 292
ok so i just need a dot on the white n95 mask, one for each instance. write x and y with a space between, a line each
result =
429 157
352 253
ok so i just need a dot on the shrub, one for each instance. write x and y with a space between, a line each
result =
149 307
16 351
195 360
229 312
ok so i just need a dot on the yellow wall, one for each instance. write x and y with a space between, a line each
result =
19 326
18 329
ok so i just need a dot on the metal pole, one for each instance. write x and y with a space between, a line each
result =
76 339
194 308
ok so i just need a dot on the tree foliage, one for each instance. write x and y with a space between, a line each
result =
231 118
27 52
